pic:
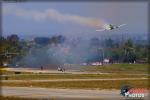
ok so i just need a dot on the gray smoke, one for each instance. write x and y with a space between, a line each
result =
72 51
52 14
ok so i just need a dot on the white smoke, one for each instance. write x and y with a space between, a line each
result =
52 14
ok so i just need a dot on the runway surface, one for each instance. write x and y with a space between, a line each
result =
68 71
48 71
63 94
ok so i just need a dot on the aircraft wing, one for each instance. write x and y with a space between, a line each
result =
121 25
101 30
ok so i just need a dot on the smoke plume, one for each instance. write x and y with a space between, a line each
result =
52 14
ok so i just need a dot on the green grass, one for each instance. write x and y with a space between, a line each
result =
116 70
120 68
69 76
50 98
16 98
104 84
7 72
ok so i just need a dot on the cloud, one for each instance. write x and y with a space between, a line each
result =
52 14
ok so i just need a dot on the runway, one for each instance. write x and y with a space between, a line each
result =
47 71
61 94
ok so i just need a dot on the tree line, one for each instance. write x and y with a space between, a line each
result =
13 49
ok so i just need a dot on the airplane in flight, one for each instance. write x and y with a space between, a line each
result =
110 27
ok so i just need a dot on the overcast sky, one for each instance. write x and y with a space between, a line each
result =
73 18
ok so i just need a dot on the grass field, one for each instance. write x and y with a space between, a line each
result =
16 98
104 84
69 76
7 72
120 68
115 71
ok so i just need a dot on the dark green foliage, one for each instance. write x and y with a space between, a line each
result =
13 49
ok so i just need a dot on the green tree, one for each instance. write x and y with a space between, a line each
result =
129 51
109 43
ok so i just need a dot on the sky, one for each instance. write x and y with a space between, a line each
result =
32 19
